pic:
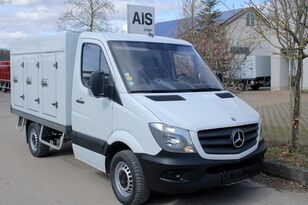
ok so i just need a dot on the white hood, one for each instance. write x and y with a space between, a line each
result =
200 111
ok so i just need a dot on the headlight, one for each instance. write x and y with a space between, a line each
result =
172 139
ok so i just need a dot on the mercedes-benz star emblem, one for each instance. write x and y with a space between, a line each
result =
238 138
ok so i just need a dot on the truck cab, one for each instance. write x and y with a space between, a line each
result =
146 110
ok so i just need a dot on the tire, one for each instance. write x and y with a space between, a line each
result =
37 149
255 87
126 171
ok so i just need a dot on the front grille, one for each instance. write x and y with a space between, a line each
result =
219 141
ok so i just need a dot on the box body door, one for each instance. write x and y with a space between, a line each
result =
18 80
32 82
48 83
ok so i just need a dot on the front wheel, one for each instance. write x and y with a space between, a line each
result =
127 179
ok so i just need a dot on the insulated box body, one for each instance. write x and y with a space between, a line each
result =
42 75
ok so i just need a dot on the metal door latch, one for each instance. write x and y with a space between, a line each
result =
55 65
37 100
15 79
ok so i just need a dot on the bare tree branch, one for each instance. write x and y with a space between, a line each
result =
86 15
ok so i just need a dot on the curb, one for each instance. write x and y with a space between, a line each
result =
273 168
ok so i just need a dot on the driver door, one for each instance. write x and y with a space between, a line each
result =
91 116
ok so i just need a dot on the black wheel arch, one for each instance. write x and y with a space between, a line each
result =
111 151
28 122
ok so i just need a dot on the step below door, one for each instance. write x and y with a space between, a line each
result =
32 82
18 80
48 83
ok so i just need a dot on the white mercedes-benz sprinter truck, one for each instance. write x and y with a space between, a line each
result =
148 111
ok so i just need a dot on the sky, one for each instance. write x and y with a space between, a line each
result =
31 18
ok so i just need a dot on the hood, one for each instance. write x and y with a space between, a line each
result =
199 111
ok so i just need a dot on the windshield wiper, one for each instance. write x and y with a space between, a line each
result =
205 89
155 91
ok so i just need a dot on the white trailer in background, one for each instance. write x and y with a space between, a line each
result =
146 110
255 72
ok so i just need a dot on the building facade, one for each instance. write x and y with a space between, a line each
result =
239 24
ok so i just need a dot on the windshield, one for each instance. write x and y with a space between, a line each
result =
157 67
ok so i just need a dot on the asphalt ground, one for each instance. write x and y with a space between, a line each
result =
62 179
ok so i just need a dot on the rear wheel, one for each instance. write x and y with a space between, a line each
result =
127 179
37 149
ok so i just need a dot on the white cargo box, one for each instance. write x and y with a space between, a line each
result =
255 67
41 76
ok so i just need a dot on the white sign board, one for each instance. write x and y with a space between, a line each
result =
140 19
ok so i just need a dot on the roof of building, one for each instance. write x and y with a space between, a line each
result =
170 28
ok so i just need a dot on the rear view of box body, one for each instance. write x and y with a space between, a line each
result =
41 76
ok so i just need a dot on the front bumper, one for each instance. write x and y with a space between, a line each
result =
178 173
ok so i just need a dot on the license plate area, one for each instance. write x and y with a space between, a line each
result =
237 175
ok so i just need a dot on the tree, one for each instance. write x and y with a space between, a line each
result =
213 43
214 39
287 22
208 14
86 15
189 11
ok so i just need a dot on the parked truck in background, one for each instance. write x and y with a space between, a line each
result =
5 83
255 72
148 111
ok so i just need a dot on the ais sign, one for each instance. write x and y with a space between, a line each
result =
141 19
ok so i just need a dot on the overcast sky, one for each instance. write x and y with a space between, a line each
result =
27 18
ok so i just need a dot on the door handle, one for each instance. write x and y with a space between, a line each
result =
28 81
80 101
44 83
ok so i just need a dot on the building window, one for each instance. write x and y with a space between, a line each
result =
240 50
250 19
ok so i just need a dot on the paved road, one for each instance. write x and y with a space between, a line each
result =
61 179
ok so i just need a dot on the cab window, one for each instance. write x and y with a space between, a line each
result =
93 60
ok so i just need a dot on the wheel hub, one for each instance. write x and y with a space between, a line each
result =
34 140
123 179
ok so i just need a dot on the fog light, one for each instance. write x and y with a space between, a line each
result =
173 175
189 149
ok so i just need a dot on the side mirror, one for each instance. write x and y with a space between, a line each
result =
220 76
99 83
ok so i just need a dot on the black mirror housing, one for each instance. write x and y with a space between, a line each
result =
99 83
220 76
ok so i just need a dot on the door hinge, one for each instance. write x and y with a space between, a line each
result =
38 64
37 100
55 104
55 65
22 64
